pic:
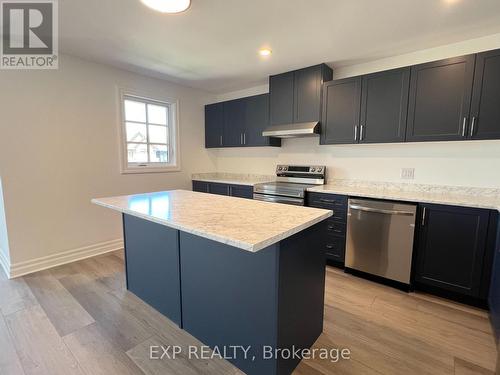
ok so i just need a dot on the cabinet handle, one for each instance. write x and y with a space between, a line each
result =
329 247
324 200
221 140
472 126
241 138
424 212
361 132
244 138
355 132
464 126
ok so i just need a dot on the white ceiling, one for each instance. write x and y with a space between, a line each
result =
213 46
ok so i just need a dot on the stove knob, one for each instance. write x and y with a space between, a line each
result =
314 170
280 168
285 168
320 170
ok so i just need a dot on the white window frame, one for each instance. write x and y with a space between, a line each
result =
173 136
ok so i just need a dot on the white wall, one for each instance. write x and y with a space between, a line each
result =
59 148
4 239
473 163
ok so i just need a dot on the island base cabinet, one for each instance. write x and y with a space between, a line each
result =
152 265
268 300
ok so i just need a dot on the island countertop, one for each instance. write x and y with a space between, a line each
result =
243 223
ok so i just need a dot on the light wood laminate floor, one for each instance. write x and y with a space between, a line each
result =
79 319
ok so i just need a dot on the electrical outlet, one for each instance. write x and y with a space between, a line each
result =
407 173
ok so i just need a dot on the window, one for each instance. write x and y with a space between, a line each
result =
149 133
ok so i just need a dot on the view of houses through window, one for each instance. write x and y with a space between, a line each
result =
147 131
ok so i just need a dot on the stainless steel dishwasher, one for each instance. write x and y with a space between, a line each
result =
380 238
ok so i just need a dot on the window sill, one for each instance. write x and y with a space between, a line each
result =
141 170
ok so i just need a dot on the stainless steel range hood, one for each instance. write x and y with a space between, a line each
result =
303 129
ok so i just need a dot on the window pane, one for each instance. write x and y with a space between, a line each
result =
137 153
135 111
157 134
136 132
157 114
158 153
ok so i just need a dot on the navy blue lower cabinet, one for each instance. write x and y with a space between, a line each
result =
452 252
217 188
494 298
240 191
334 229
201 186
152 265
266 300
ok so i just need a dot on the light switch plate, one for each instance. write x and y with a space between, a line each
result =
407 173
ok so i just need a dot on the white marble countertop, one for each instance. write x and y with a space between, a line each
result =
244 223
458 196
233 178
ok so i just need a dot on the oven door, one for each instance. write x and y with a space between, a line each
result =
278 199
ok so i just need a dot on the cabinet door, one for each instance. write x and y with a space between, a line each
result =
241 191
256 120
451 248
281 91
485 113
200 186
494 295
219 189
234 122
440 95
307 98
340 121
152 265
384 106
214 125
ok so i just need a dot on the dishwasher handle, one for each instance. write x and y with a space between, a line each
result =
380 211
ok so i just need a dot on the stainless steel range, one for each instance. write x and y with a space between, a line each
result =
291 184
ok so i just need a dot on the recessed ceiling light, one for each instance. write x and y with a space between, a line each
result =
168 6
265 52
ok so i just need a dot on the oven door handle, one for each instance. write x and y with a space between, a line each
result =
278 199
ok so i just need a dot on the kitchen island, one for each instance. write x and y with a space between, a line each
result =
232 272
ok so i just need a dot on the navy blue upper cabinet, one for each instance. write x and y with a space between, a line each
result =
281 98
440 98
214 120
485 112
256 120
296 96
366 109
452 248
340 123
234 122
384 106
238 123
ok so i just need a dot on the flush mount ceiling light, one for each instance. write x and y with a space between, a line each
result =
168 6
265 52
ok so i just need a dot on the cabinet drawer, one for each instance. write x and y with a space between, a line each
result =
219 189
339 215
200 186
336 228
327 201
335 249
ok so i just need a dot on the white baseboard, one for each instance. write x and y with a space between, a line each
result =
4 263
42 263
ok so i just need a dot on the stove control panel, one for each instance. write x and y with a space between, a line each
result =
301 169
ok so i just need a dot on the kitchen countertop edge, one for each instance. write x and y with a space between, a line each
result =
414 197
255 247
